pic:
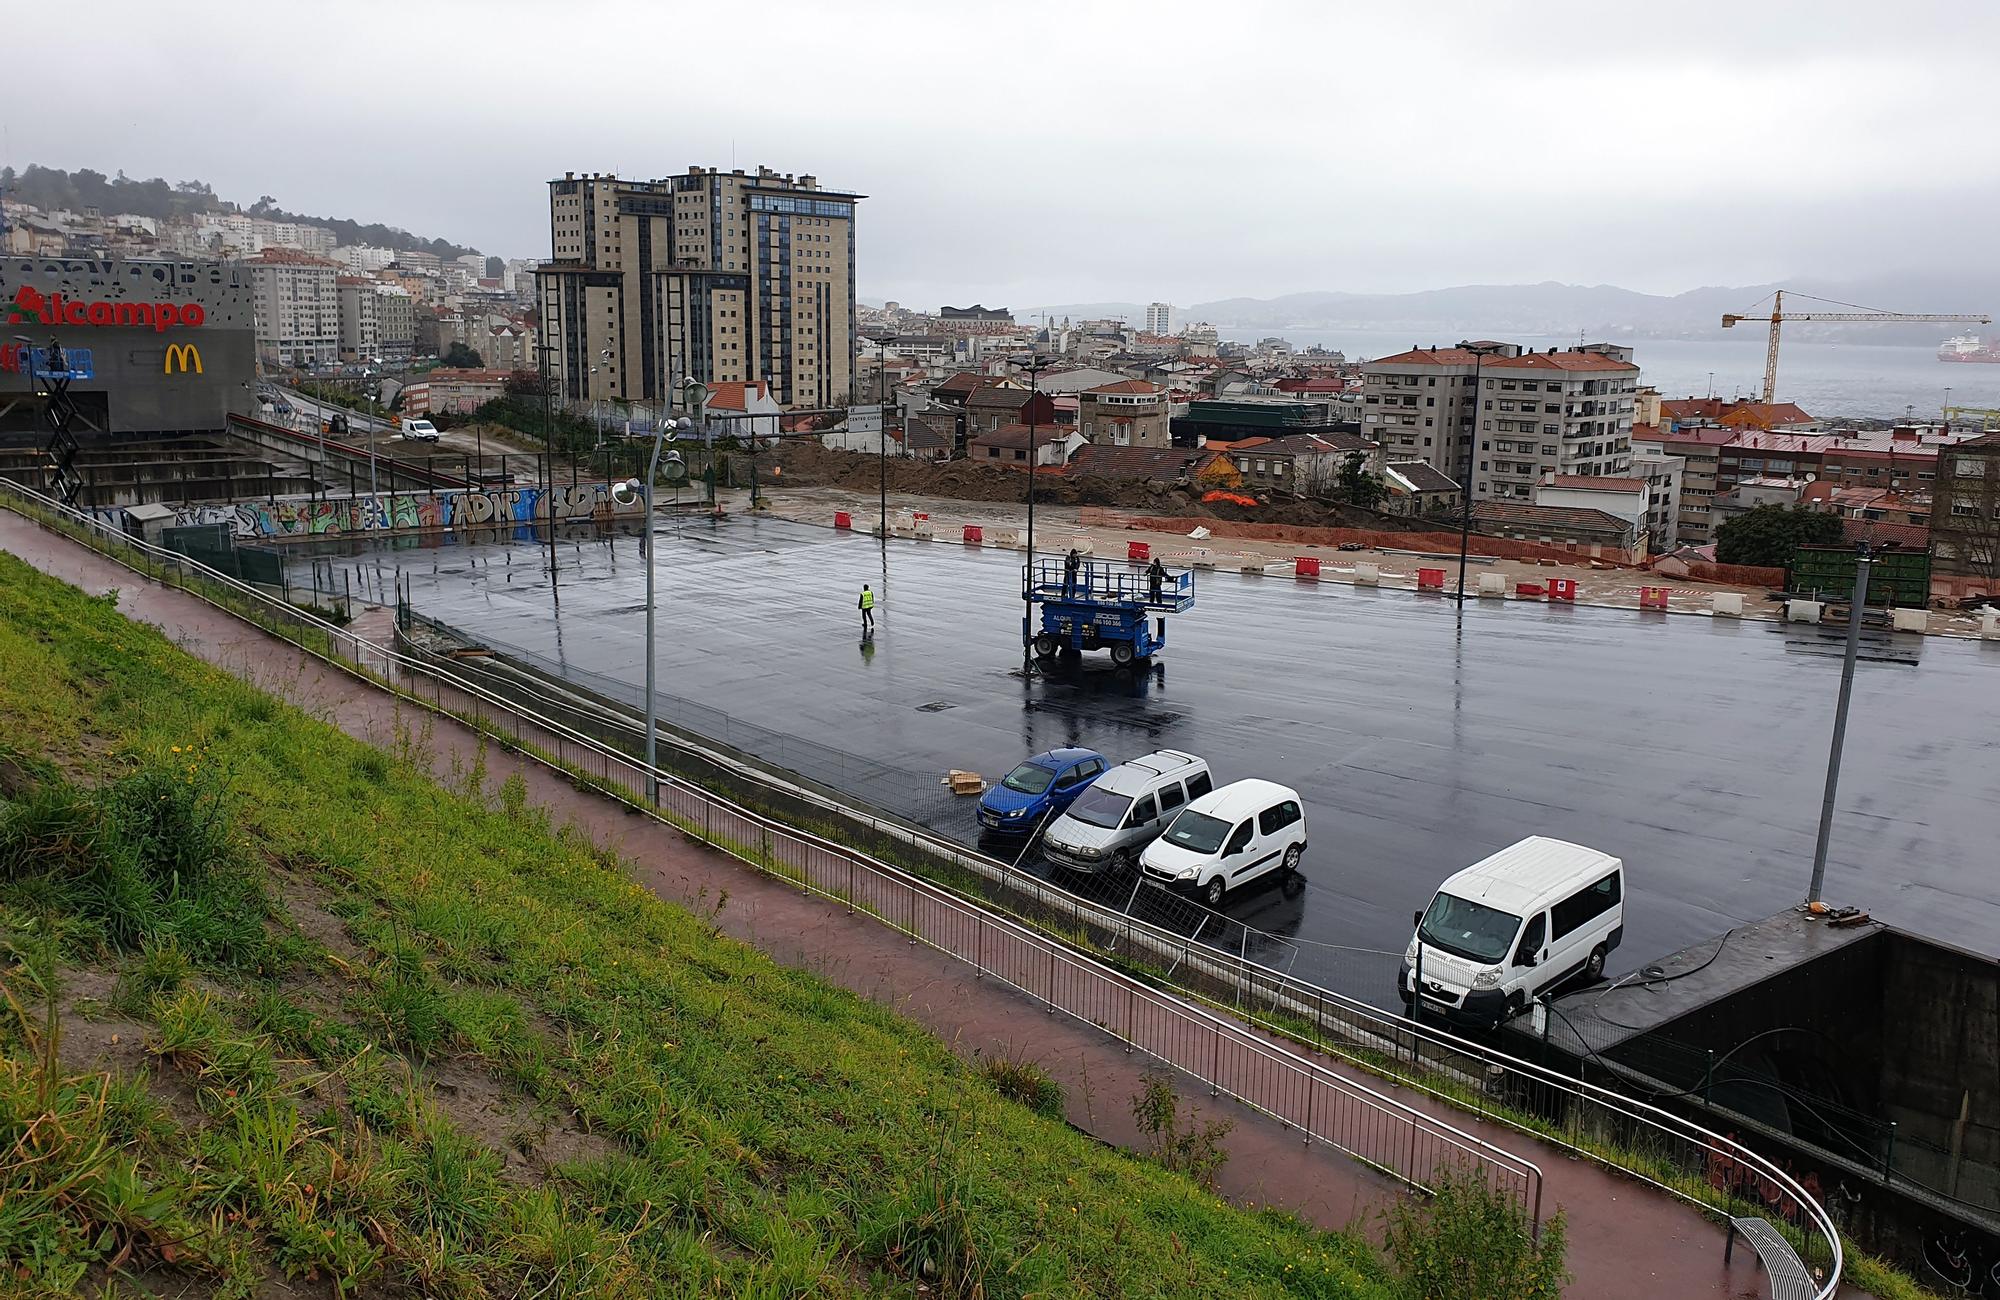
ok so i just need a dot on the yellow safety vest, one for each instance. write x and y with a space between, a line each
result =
867 599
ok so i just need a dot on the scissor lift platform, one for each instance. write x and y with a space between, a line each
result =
1101 606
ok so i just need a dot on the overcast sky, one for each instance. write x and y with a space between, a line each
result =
1043 153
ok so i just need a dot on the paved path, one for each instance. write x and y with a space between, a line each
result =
1626 1240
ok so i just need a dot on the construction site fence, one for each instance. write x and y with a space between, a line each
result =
1320 1103
1374 538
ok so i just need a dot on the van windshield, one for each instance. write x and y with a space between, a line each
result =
1097 806
1197 832
1468 929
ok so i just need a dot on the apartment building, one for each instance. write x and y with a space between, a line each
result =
395 322
729 277
1565 412
297 303
359 339
1159 318
1662 475
1699 452
1965 515
1418 405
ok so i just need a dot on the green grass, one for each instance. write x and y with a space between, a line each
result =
726 1126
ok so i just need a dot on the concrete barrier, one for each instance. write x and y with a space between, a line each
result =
1989 623
1729 603
1803 611
1368 575
1493 584
1005 538
1910 620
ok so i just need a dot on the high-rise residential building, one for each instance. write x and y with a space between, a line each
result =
1554 412
297 307
1160 318
395 322
359 337
726 277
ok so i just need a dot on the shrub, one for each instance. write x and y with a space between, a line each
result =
1193 1148
1471 1241
1026 1083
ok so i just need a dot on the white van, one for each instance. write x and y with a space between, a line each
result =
421 430
1509 928
1229 837
1125 810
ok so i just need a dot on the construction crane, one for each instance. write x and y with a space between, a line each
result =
1989 417
1779 316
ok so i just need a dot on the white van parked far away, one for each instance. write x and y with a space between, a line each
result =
1511 927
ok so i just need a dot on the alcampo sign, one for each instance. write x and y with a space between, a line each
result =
31 307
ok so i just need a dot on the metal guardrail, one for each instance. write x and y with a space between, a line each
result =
1391 1136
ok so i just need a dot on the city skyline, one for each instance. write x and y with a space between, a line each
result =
1300 150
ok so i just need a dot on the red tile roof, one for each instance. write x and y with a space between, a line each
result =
1127 386
1797 444
1554 518
1138 462
1559 361
1914 537
1428 357
1598 483
732 395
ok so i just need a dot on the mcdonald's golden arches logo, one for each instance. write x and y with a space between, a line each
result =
182 355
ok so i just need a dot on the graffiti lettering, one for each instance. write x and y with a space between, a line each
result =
491 508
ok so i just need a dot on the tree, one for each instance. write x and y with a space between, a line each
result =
461 357
1767 535
526 383
1359 487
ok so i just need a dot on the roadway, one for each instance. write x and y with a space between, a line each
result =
1421 739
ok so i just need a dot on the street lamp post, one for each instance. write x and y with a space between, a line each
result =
625 493
1864 559
1479 351
1034 363
882 342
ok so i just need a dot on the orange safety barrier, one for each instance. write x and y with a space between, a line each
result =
1533 589
1652 597
1305 566
841 519
974 534
1138 551
1430 579
1562 589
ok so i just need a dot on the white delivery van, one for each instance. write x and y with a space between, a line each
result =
1511 927
1124 810
421 430
1229 837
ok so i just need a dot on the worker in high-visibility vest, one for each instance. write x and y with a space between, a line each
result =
867 606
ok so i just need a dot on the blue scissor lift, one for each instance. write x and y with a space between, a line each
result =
1105 607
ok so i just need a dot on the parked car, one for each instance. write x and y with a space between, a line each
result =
1039 788
1514 925
419 429
1125 810
1228 838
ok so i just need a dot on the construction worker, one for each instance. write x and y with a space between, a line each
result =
1156 577
1070 563
867 607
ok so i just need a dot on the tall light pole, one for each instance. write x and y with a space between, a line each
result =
1034 363
882 342
626 493
1479 351
1864 559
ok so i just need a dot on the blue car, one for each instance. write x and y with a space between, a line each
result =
1038 789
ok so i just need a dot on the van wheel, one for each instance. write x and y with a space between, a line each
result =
1213 891
1593 966
1292 855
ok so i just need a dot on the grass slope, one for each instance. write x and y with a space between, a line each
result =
386 1038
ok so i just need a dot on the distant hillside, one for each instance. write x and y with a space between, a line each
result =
1551 309
51 187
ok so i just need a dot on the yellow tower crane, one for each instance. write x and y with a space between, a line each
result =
1779 316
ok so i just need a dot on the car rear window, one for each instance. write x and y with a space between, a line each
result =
1198 785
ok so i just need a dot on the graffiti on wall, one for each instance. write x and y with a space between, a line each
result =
402 512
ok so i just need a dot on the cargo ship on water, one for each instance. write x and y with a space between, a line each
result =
1969 347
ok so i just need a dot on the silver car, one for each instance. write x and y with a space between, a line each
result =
1124 810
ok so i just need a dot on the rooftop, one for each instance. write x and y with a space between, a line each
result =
1422 476
1138 462
1572 361
1597 483
1550 518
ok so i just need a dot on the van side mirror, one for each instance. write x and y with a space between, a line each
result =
1417 920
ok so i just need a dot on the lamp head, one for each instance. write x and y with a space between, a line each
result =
627 491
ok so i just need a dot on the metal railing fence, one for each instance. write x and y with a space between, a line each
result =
1319 1102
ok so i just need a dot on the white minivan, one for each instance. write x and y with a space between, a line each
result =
1229 837
419 430
1512 926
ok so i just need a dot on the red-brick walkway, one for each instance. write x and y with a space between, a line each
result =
1626 1239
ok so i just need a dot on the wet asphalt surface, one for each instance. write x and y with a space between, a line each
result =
1421 738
